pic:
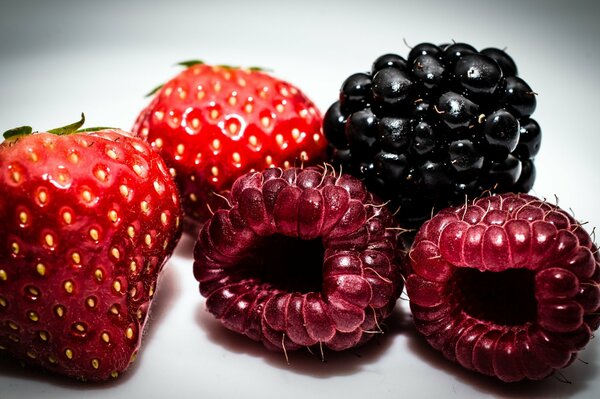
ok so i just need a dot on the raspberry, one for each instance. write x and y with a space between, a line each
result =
508 286
445 123
302 257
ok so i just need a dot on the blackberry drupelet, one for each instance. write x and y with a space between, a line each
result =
447 122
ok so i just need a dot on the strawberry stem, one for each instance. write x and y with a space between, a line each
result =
154 91
61 131
94 129
17 131
190 63
68 129
259 69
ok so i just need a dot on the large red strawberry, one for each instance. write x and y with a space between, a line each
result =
212 124
89 220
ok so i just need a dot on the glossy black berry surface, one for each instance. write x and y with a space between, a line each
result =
444 123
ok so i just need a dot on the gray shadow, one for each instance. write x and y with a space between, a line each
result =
564 383
341 363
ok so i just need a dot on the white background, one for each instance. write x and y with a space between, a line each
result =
59 58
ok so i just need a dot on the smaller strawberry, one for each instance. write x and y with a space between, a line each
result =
212 124
89 220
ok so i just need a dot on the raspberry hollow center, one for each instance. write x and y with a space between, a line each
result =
285 263
504 298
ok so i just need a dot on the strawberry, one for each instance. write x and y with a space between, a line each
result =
212 124
89 220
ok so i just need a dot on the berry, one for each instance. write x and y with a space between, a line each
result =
90 218
423 49
501 134
506 63
508 286
429 70
355 90
455 51
464 157
388 60
478 74
212 124
450 123
457 111
529 139
391 86
302 257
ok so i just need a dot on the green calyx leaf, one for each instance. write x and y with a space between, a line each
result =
250 68
227 66
95 129
72 128
61 131
259 69
190 63
154 91
17 131
186 64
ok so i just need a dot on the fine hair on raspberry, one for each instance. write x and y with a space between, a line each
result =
507 286
303 257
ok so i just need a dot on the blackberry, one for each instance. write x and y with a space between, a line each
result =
426 131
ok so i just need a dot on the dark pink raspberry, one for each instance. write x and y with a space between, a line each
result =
302 257
508 286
